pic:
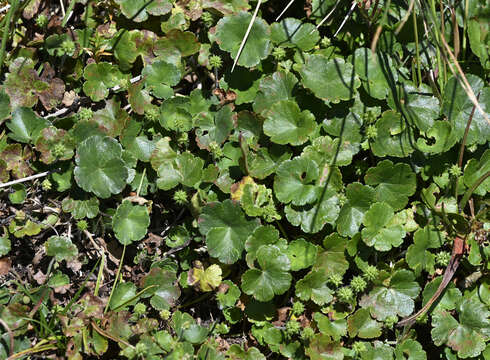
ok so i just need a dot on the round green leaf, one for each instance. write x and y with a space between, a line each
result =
273 278
394 183
394 297
376 72
466 336
25 125
418 105
165 294
302 254
380 231
100 168
285 123
359 199
61 248
138 10
410 348
291 32
100 77
313 217
314 286
329 79
158 73
393 138
362 325
274 88
418 258
295 181
437 139
226 230
130 222
230 31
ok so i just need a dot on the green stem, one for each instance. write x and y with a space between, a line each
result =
470 191
6 31
117 277
417 51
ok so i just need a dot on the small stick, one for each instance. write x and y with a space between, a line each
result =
242 45
353 6
32 177
326 16
457 253
285 9
11 336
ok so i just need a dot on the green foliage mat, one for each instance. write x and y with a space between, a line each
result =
201 180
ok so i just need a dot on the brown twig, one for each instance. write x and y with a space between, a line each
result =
457 253
11 336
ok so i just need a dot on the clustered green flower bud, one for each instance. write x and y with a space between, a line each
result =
279 53
151 114
46 185
165 314
325 41
307 333
183 138
371 132
59 149
180 197
335 279
455 170
298 308
293 327
140 308
82 225
442 258
42 20
390 321
371 273
85 114
215 149
207 19
215 61
358 347
358 284
67 48
345 294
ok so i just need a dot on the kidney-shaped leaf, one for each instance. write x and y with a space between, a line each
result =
25 125
99 78
226 230
130 222
273 278
165 293
330 80
394 298
466 336
295 181
291 32
100 168
394 183
285 123
381 231
61 248
230 31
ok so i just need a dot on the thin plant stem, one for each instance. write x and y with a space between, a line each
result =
465 28
69 12
6 32
28 178
116 279
417 50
